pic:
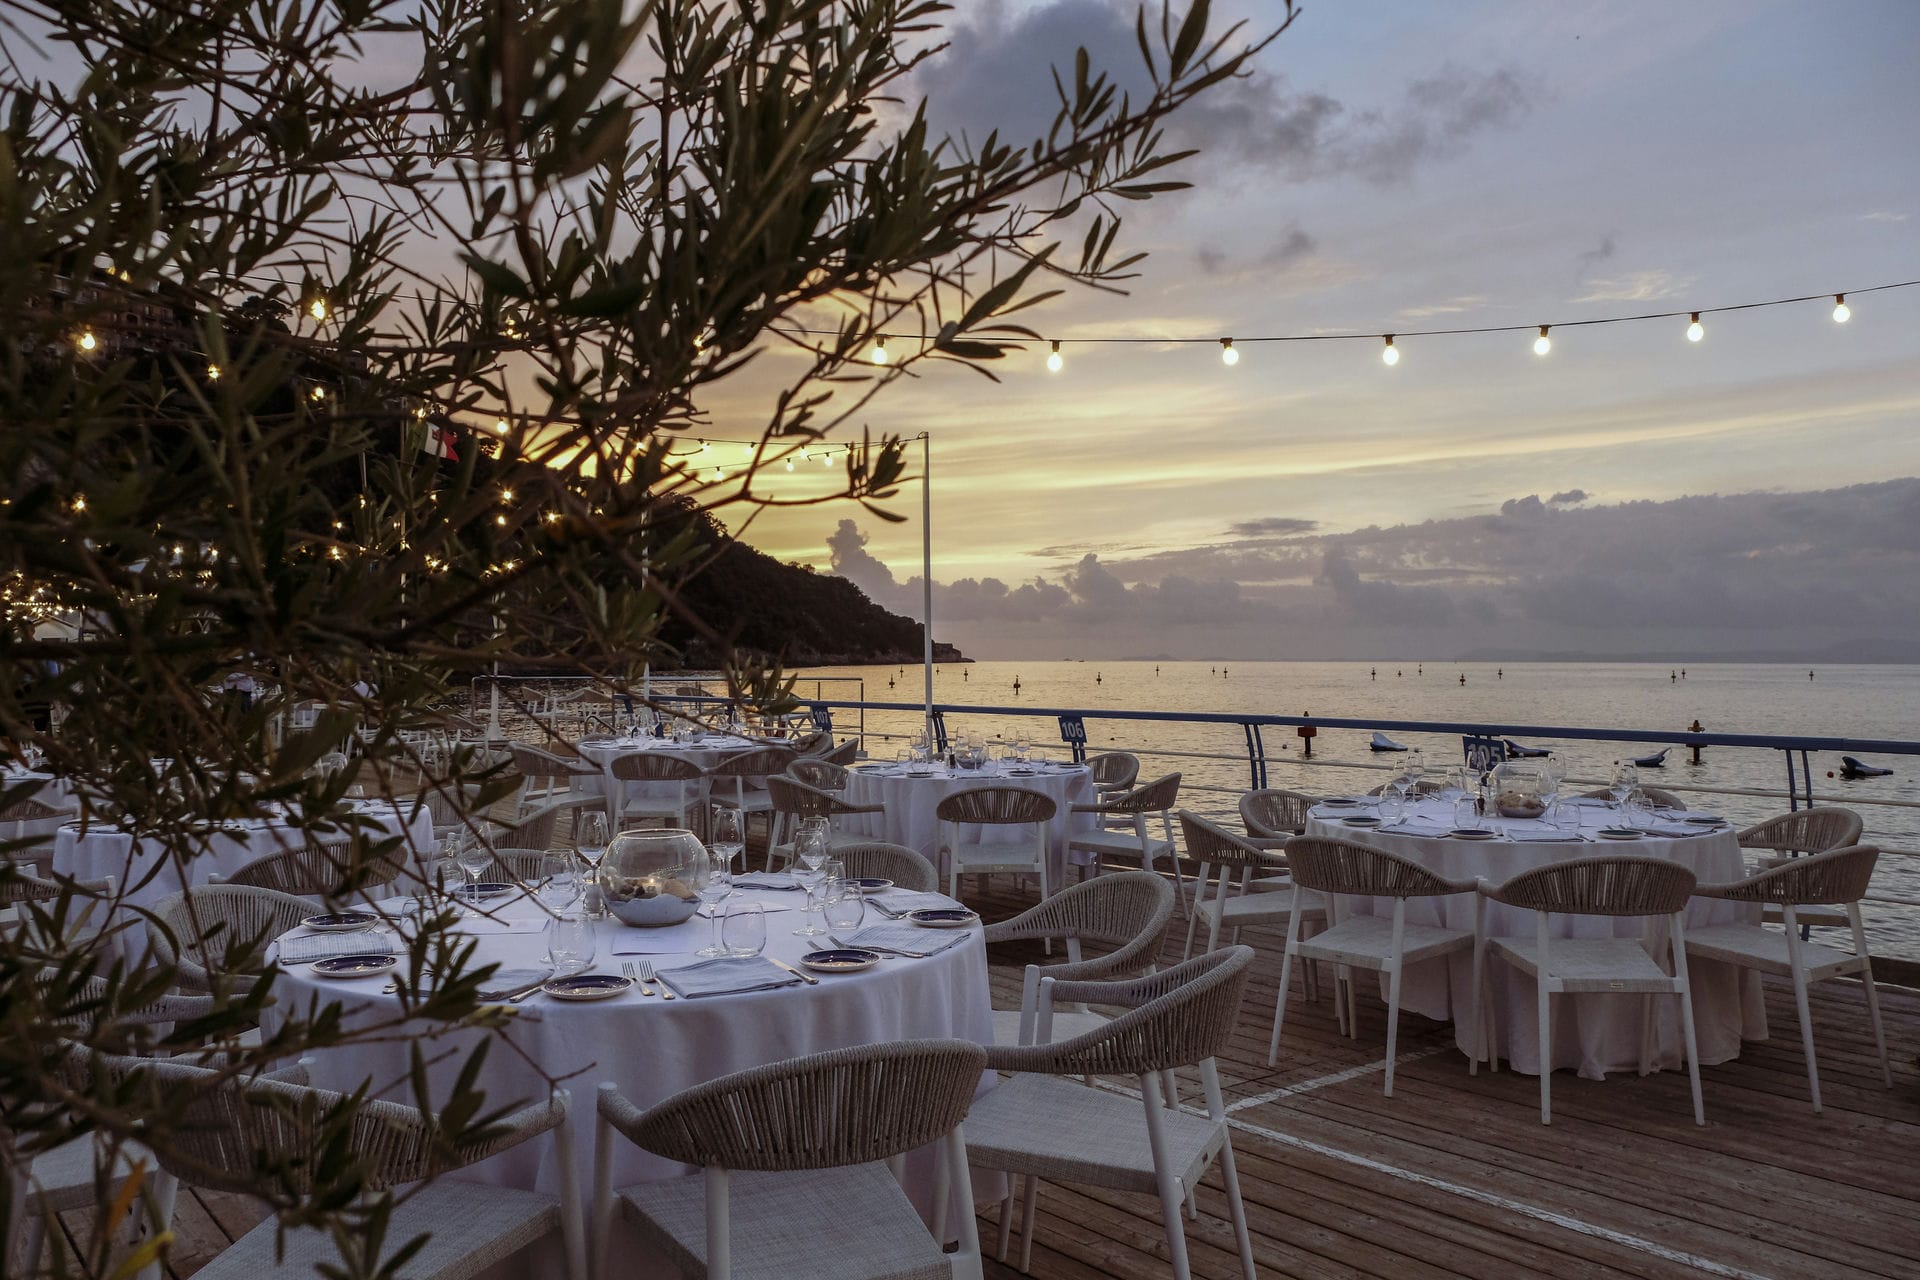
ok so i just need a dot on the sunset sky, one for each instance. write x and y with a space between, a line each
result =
1395 166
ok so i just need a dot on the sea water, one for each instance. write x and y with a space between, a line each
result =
1863 702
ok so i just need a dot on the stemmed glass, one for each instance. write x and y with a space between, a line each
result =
559 886
716 889
726 843
474 858
810 843
1416 769
590 842
1626 779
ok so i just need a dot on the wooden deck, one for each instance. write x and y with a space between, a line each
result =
1455 1176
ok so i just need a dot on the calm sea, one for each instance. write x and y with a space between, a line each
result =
1851 701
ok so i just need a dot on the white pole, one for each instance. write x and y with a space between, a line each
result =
926 570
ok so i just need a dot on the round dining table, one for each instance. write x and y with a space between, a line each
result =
910 796
1593 1033
650 1047
705 750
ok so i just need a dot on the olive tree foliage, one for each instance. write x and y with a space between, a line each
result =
261 255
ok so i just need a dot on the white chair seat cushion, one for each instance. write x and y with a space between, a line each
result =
1069 1132
1368 941
980 855
1253 908
854 1221
1271 884
63 1177
1766 950
1589 964
472 1228
1067 1024
1120 844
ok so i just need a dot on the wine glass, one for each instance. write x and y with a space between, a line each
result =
1416 769
1623 783
726 842
810 844
559 886
570 944
716 889
474 857
743 930
590 842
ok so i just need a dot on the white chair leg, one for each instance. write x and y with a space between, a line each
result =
601 1211
1544 1017
1393 1020
1477 1028
572 1236
1280 1006
1006 1220
1646 1034
719 1246
166 1189
1873 1019
1027 1216
1686 1019
1167 1181
1353 1005
1806 1036
1170 1081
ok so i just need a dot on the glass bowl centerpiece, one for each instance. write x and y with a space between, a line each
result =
1519 790
652 877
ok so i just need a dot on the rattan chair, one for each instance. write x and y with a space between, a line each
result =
197 933
323 868
1655 796
1815 829
799 1166
1334 869
673 790
1135 842
740 780
1126 911
549 774
844 754
1238 861
814 744
549 824
907 868
520 866
21 891
1114 770
1606 886
1046 1127
1273 813
792 801
230 1126
1836 877
819 773
35 821
1024 853
1421 787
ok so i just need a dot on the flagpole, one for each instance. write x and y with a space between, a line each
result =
926 573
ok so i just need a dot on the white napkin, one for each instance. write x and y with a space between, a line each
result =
902 939
897 902
726 975
306 948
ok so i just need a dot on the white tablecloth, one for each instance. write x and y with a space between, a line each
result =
1594 1033
911 801
653 1048
145 875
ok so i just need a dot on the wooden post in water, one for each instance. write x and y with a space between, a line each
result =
1695 728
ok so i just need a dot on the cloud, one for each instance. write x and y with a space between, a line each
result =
996 73
1602 252
1272 526
1291 247
1703 574
1452 306
1635 286
1883 215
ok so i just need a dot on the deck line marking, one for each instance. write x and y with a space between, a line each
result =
1493 1200
1324 1082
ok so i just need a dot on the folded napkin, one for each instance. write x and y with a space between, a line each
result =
1412 827
305 948
765 880
903 939
1674 830
726 976
485 927
897 902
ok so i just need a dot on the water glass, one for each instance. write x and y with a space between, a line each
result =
844 906
1393 800
1466 811
570 944
743 929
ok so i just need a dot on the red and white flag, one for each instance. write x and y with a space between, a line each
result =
440 441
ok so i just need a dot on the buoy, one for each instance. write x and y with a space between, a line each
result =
1373 673
1695 728
1463 677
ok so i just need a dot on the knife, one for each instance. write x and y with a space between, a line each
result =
807 978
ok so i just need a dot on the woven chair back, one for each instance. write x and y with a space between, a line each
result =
1603 886
907 868
1002 806
1656 796
761 762
1157 796
1421 787
1814 830
817 743
521 866
30 810
788 796
1210 843
1190 1021
326 869
1344 866
1823 879
819 773
654 766
824 1111
844 754
1114 769
1273 813
538 762
221 920
1127 910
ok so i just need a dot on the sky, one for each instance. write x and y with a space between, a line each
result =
1396 165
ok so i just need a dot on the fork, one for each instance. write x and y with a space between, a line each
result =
627 971
646 975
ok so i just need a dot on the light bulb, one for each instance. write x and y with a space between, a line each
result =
317 308
500 520
805 456
826 458
1391 354
318 393
1228 356
719 474
506 495
500 426
879 355
1694 331
87 341
1841 311
1054 360
213 373
1542 344
789 464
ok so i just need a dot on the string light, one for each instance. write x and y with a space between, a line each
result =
1695 331
1391 355
213 373
86 341
1543 344
789 464
1228 356
1054 360
719 474
705 447
1841 311
879 355
318 307
506 495
79 502
318 393
499 426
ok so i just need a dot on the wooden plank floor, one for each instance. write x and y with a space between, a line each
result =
1455 1177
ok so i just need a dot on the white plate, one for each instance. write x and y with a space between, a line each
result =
367 966
840 960
341 922
587 986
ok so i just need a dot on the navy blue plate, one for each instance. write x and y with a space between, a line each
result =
587 986
353 966
341 922
490 888
1362 821
840 960
943 917
1471 833
872 884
